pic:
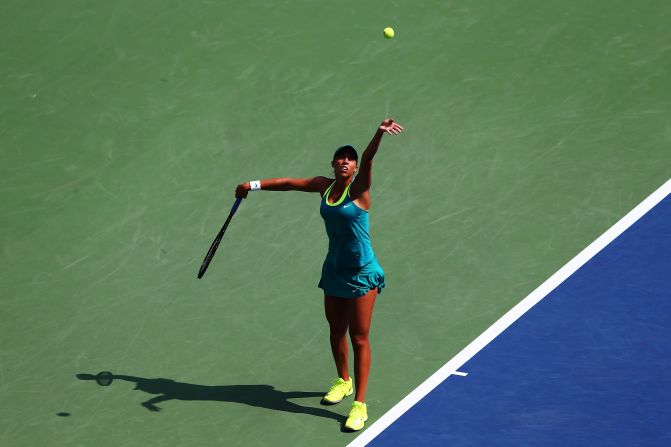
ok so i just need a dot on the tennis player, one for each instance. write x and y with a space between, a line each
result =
351 275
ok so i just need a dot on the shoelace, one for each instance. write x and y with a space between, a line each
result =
357 411
337 383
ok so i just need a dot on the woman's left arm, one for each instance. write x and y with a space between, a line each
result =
364 178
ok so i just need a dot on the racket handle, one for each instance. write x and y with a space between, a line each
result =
236 205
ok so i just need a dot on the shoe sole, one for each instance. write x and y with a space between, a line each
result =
330 402
356 429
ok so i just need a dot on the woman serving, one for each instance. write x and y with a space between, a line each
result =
351 275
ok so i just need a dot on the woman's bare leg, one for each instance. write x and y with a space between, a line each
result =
360 311
336 315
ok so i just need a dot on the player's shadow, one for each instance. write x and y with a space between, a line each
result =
264 396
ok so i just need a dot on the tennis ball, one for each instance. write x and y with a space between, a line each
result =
388 32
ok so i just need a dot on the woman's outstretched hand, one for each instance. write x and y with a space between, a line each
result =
391 127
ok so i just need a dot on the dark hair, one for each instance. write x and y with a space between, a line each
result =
346 148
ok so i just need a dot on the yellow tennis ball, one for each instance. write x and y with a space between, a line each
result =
388 32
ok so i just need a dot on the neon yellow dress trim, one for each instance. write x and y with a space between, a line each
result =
342 197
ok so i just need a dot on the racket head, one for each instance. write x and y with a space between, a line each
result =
217 240
210 254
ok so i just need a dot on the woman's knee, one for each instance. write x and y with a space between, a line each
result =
336 314
338 329
359 338
338 323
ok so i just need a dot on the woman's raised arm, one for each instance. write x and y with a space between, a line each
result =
364 178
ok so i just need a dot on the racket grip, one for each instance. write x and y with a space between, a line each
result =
236 205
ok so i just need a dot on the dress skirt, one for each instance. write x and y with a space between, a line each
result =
351 282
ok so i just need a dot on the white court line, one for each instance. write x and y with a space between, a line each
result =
451 367
459 373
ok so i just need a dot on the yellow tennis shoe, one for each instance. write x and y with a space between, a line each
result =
357 416
338 390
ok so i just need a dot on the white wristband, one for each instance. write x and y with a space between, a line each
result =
255 185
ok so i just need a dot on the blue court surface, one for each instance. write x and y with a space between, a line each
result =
588 365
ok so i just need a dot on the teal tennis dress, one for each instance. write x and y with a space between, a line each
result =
350 269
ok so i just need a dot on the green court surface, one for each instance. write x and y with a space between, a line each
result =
531 127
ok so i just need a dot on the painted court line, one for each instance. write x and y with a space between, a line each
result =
452 366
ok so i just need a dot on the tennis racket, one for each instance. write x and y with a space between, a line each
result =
215 244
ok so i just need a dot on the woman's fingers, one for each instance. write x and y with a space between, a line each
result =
392 127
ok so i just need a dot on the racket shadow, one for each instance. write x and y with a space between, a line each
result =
262 396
